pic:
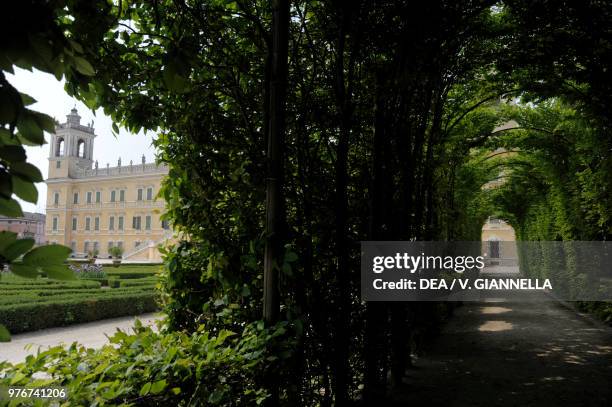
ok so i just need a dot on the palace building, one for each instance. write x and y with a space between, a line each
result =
91 209
498 237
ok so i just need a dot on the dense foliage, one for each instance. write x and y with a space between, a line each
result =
391 113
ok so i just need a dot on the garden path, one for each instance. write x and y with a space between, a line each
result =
91 334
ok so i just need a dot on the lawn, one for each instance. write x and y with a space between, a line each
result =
32 304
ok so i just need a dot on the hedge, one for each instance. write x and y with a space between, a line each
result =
138 282
47 284
65 311
112 282
26 297
131 275
51 287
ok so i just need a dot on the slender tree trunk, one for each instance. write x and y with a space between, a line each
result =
275 210
375 325
343 89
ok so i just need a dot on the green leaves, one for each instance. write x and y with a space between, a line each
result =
176 70
48 259
10 207
27 171
45 255
29 130
25 190
17 248
5 335
83 66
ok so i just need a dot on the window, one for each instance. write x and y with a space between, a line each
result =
59 147
96 223
73 246
81 149
86 247
139 194
56 198
122 195
165 225
96 247
120 244
120 223
149 194
98 196
111 223
148 222
75 198
87 223
89 197
58 164
113 193
136 222
74 223
54 226
136 244
110 245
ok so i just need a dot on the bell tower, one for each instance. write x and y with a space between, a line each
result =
71 147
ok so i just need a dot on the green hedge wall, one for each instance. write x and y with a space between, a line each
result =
150 282
66 311
131 274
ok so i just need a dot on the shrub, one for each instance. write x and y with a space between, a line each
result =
5 335
77 308
116 251
153 369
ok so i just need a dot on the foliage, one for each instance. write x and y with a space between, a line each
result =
557 189
116 251
151 368
49 42
5 335
391 115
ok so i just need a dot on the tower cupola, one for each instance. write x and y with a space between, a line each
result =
71 147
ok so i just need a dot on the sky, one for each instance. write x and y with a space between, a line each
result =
54 101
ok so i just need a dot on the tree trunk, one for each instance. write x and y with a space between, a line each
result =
275 211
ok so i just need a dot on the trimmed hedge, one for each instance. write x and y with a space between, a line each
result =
51 287
130 276
47 284
66 311
138 282
135 265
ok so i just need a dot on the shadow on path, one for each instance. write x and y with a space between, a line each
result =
513 354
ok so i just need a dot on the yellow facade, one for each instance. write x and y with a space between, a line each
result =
498 237
92 209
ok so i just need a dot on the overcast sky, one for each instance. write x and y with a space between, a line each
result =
54 101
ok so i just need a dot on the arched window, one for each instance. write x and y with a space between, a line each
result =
81 149
59 147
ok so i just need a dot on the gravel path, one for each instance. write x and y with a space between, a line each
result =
91 334
514 354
